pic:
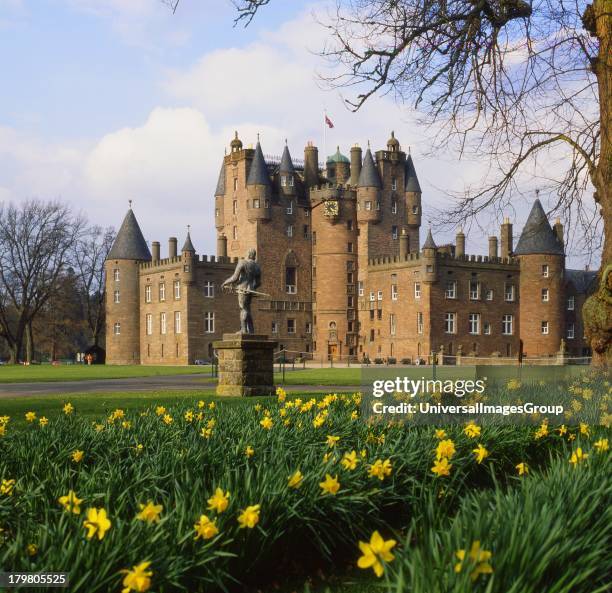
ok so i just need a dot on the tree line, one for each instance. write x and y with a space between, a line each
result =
51 281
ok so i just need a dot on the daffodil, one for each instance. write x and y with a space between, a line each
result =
562 429
43 421
578 456
601 445
440 433
542 431
584 429
249 517
349 460
479 560
96 523
6 487
219 501
249 451
295 480
441 467
167 419
160 410
332 440
375 553
68 409
481 453
201 404
71 502
211 406
32 549
380 469
189 416
138 579
445 448
206 433
30 416
472 430
330 485
205 528
522 468
77 456
150 513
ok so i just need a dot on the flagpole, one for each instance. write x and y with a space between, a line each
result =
324 138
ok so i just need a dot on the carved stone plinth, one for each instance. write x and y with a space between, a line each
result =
245 365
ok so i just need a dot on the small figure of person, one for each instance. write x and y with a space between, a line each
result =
89 359
245 280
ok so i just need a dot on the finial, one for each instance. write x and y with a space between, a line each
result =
368 144
285 141
257 136
188 228
392 133
537 193
130 203
236 134
409 149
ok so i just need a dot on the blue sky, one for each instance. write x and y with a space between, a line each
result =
109 100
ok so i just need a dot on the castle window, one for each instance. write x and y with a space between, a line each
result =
507 325
350 277
509 292
377 205
429 269
306 212
289 230
489 294
380 295
217 212
290 326
290 280
371 314
545 295
393 183
308 327
209 289
305 231
570 303
419 324
486 328
235 232
417 290
177 322
545 270
394 232
162 292
368 205
148 293
379 314
449 323
372 335
570 331
372 296
349 247
360 288
283 181
451 290
275 327
314 237
349 225
350 265
116 274
117 329
474 323
350 301
474 291
235 207
162 323
394 207
116 296
392 324
266 203
544 327
149 324
177 289
209 322
415 210
290 208
394 292
235 184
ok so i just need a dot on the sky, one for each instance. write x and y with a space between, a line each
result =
105 101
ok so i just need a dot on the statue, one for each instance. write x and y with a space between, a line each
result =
245 280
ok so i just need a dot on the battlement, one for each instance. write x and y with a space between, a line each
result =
477 259
177 261
395 261
331 190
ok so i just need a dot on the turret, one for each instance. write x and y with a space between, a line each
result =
172 247
338 168
412 197
219 195
188 254
369 188
542 266
155 252
393 144
286 174
221 245
123 293
492 247
259 188
429 259
311 165
355 164
404 245
460 244
506 238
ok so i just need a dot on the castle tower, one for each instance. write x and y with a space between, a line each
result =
188 253
123 293
259 188
355 165
219 196
338 168
311 166
287 175
429 272
542 267
412 196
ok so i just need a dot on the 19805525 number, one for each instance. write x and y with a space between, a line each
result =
34 579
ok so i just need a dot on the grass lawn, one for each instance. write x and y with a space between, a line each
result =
79 372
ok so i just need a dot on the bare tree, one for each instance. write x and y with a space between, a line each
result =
35 242
89 254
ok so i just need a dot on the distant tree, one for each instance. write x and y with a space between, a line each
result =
508 80
89 254
36 238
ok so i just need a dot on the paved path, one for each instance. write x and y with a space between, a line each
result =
134 384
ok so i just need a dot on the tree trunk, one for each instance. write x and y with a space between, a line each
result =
29 342
597 312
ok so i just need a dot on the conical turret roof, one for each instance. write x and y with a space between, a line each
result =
258 174
369 177
129 243
429 242
411 182
538 236
286 164
188 245
220 191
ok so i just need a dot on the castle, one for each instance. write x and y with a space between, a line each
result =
345 271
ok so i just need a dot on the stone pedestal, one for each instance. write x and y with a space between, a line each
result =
245 365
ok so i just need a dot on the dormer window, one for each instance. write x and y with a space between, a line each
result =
287 180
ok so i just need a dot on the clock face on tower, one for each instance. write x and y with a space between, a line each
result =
330 208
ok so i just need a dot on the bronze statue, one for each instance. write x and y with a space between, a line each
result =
245 280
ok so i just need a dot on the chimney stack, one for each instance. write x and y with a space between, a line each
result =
404 244
311 165
221 246
493 247
172 247
506 238
558 228
155 251
355 164
460 244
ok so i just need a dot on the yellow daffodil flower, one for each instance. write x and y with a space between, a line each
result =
150 513
601 445
522 468
96 523
249 451
479 559
30 416
295 480
249 517
445 448
77 456
440 433
266 423
219 501
332 440
481 453
375 553
380 469
330 485
71 502
205 528
138 579
442 467
68 409
349 461
472 430
578 456
6 487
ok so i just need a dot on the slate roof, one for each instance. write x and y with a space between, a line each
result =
129 243
286 164
337 157
429 242
369 176
188 245
258 173
584 281
411 182
220 191
538 236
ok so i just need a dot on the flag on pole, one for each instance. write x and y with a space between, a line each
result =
328 122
